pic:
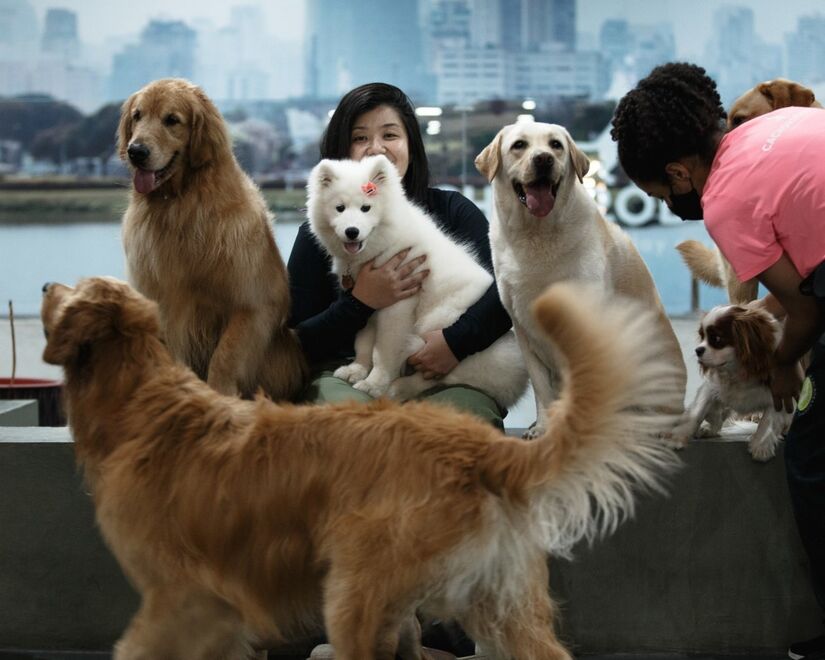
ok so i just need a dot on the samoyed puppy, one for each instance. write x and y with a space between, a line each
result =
358 212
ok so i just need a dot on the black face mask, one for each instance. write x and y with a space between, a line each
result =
687 206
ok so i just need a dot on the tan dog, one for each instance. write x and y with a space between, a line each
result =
245 522
547 229
768 96
708 265
705 263
198 240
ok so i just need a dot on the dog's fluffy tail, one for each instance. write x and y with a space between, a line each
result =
703 262
604 438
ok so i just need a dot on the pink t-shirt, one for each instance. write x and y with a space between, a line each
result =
765 193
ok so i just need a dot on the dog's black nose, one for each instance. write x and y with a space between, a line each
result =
543 160
351 232
700 351
46 287
138 153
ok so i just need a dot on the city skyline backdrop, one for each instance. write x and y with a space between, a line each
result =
101 19
89 52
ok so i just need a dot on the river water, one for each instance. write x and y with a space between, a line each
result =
31 254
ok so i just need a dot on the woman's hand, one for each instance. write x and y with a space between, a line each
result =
395 280
434 359
785 383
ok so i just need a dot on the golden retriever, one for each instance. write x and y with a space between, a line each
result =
546 228
199 242
767 96
707 263
248 522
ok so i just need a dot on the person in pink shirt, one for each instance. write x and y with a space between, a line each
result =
761 191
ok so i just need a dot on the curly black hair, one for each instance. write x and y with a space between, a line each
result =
674 112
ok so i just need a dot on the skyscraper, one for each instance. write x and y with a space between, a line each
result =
362 41
166 49
615 42
18 31
329 44
806 50
533 24
60 36
562 28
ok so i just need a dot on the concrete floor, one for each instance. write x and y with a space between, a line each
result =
46 655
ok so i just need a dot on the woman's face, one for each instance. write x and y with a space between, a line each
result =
381 131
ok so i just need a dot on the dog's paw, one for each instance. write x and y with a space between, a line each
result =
535 431
374 389
761 452
351 373
680 435
677 439
706 431
406 387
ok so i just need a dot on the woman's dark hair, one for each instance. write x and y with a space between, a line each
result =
336 141
674 112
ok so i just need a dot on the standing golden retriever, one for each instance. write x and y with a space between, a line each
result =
199 242
245 522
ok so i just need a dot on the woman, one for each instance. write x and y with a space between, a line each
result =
761 192
379 119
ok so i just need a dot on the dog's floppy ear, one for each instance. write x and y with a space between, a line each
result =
208 138
783 93
581 163
124 128
98 311
753 335
488 161
81 323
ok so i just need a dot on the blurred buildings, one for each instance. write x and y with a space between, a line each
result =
439 51
165 49
48 62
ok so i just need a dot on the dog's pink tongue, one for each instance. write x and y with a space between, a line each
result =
144 181
540 200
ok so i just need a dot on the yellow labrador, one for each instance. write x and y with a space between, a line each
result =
548 229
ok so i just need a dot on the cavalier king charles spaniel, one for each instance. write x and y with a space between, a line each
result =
737 342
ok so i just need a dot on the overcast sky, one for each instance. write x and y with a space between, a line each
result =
693 19
101 19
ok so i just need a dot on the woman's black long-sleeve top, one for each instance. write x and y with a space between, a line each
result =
327 318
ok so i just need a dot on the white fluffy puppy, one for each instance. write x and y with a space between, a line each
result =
358 212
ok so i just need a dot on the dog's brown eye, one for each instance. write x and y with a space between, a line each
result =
365 208
171 120
340 208
519 144
136 115
555 144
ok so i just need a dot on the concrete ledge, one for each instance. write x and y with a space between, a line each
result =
714 568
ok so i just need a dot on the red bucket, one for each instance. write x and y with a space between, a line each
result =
45 392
